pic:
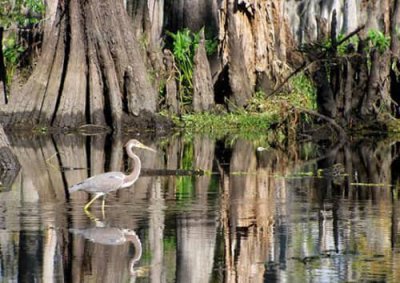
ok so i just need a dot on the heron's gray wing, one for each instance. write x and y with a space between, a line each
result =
102 183
105 236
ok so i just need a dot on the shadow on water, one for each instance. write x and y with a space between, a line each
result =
307 212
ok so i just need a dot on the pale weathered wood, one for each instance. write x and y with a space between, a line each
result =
192 14
72 103
203 92
171 90
255 42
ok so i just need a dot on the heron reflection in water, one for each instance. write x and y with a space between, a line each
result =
108 182
113 236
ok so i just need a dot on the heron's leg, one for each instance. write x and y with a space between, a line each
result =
92 217
90 202
102 205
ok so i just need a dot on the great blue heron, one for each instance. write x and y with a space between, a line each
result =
104 183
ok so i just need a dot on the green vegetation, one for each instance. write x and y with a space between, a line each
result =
12 52
303 93
21 12
234 123
259 116
13 16
344 48
184 184
184 45
378 41
211 46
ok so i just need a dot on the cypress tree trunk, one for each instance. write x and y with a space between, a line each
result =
254 45
90 70
192 14
378 86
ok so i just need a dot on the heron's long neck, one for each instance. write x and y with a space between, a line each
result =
134 239
133 176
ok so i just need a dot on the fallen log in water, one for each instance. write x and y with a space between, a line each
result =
170 172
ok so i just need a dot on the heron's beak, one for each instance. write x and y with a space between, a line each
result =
148 148
139 145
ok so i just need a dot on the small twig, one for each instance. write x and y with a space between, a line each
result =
357 30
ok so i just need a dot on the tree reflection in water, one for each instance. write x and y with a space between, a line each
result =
306 213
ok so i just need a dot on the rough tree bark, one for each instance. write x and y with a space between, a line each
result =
192 14
203 92
90 70
254 40
148 19
378 86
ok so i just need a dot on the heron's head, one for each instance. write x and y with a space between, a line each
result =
135 143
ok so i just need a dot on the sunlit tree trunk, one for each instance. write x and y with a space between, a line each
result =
90 70
378 83
254 42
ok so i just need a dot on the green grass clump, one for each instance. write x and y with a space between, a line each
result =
378 40
12 52
244 125
303 93
184 45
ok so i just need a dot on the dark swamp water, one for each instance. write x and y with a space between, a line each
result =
306 213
